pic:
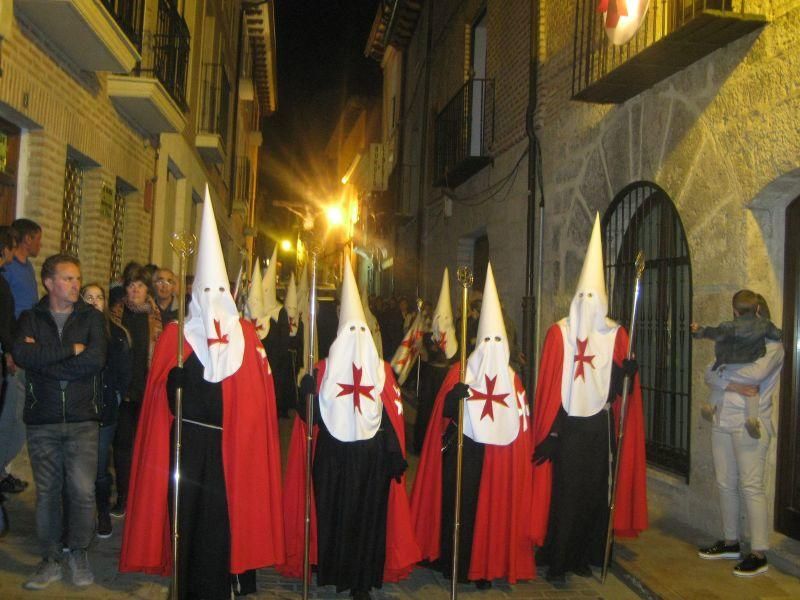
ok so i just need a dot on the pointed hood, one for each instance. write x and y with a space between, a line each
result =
492 413
213 329
442 328
349 394
290 303
255 302
271 305
372 321
589 306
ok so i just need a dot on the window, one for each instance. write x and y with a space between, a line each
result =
642 217
73 192
117 233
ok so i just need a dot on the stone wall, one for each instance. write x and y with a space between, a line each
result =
721 138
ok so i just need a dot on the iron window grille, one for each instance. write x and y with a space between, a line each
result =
464 130
243 183
215 101
129 15
642 217
117 235
73 193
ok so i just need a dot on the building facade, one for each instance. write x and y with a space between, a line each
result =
116 113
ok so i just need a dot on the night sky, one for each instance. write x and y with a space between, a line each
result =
320 48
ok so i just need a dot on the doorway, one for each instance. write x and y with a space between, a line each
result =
9 161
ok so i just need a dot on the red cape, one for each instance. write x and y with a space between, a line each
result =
630 515
251 463
501 546
402 552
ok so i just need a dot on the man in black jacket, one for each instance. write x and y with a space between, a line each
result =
61 343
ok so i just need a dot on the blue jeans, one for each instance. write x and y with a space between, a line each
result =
12 429
64 458
104 480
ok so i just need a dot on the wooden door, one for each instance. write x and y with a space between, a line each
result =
787 488
9 159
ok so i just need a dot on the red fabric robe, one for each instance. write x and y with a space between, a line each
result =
501 546
630 515
402 552
251 464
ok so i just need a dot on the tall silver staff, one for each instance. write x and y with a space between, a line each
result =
622 413
183 244
310 424
465 278
420 302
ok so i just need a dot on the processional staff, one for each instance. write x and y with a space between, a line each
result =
622 413
183 244
465 278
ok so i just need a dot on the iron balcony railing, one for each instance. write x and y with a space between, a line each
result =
463 131
243 189
214 101
166 53
594 57
129 15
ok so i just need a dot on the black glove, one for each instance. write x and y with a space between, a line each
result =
546 450
308 385
453 397
176 379
397 466
630 366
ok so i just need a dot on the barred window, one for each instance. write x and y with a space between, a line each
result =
642 217
117 233
73 193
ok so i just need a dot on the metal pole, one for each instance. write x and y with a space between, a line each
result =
310 426
420 302
623 409
465 278
183 244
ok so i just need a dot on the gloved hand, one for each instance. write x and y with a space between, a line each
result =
175 379
397 466
308 385
453 397
630 366
546 450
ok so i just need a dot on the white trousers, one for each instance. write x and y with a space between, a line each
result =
739 462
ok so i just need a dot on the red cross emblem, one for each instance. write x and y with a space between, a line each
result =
581 358
490 397
356 389
292 323
442 341
220 339
410 343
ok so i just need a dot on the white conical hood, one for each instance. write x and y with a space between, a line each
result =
493 411
372 322
290 303
271 305
589 306
443 331
213 329
255 302
350 392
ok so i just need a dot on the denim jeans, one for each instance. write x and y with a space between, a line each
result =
64 458
12 429
104 481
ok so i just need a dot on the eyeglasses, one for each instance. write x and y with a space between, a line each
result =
89 298
164 282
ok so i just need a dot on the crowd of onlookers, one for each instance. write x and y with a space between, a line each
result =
75 366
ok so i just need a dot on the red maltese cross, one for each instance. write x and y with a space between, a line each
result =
489 396
220 339
356 389
443 341
582 358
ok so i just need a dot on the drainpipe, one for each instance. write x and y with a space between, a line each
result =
423 151
530 309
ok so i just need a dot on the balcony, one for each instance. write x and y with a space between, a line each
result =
96 35
212 128
673 34
244 185
154 97
463 132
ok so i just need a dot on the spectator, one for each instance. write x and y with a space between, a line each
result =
62 345
139 315
21 279
7 244
739 458
166 286
116 377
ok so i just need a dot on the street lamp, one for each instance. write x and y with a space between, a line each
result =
286 245
335 215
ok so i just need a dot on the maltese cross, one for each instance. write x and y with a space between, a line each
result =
442 343
581 357
356 389
489 396
220 339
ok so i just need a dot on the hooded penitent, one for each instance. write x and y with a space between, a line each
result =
304 315
492 414
349 395
589 337
255 302
290 303
213 329
443 332
405 357
271 305
372 322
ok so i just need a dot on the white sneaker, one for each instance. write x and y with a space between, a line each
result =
81 570
47 572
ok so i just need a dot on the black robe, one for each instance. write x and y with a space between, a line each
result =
277 346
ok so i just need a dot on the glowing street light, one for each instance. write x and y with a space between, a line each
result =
286 245
335 215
